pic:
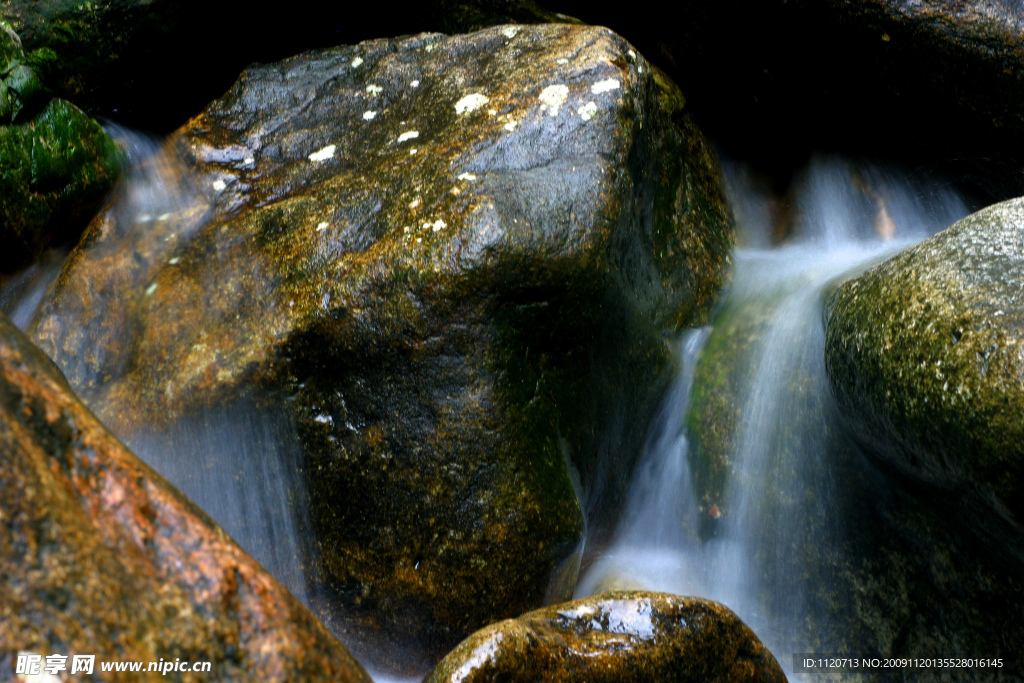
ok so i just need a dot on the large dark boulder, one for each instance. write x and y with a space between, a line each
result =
615 636
99 555
453 263
924 353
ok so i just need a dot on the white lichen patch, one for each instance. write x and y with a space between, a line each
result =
322 226
151 289
174 261
467 176
357 62
438 224
553 97
414 203
510 126
368 115
492 112
415 84
604 86
373 90
249 161
163 216
143 218
429 48
561 60
470 103
510 32
413 151
219 185
587 111
324 154
408 135
632 55
324 419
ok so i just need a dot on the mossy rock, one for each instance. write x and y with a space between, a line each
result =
922 353
460 259
57 164
100 555
614 636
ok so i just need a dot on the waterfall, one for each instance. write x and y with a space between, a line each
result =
735 498
240 462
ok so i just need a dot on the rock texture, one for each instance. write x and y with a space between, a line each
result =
57 164
926 356
615 636
99 555
456 259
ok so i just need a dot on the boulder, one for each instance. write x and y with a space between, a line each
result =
453 262
58 164
101 556
925 355
614 636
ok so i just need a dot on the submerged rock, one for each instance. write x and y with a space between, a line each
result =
58 164
925 354
614 636
101 556
458 258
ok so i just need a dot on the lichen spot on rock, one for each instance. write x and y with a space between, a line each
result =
604 86
587 111
510 32
415 84
368 115
510 126
218 185
324 154
357 62
553 97
470 103
408 135
374 90
151 289
467 176
321 226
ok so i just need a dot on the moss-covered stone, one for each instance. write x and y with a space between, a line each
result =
614 636
101 556
923 356
57 169
57 164
459 257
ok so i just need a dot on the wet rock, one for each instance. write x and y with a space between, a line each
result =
614 636
58 164
923 353
457 257
101 556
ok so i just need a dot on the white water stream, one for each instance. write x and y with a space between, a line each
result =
745 544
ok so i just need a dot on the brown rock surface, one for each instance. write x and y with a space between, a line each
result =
615 636
99 555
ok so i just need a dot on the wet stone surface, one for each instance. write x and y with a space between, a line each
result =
101 556
924 353
614 636
459 258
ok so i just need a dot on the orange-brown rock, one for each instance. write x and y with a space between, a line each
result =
99 555
618 637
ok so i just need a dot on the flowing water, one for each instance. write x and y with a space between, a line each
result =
733 498
736 495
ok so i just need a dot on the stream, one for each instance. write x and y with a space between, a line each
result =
736 495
